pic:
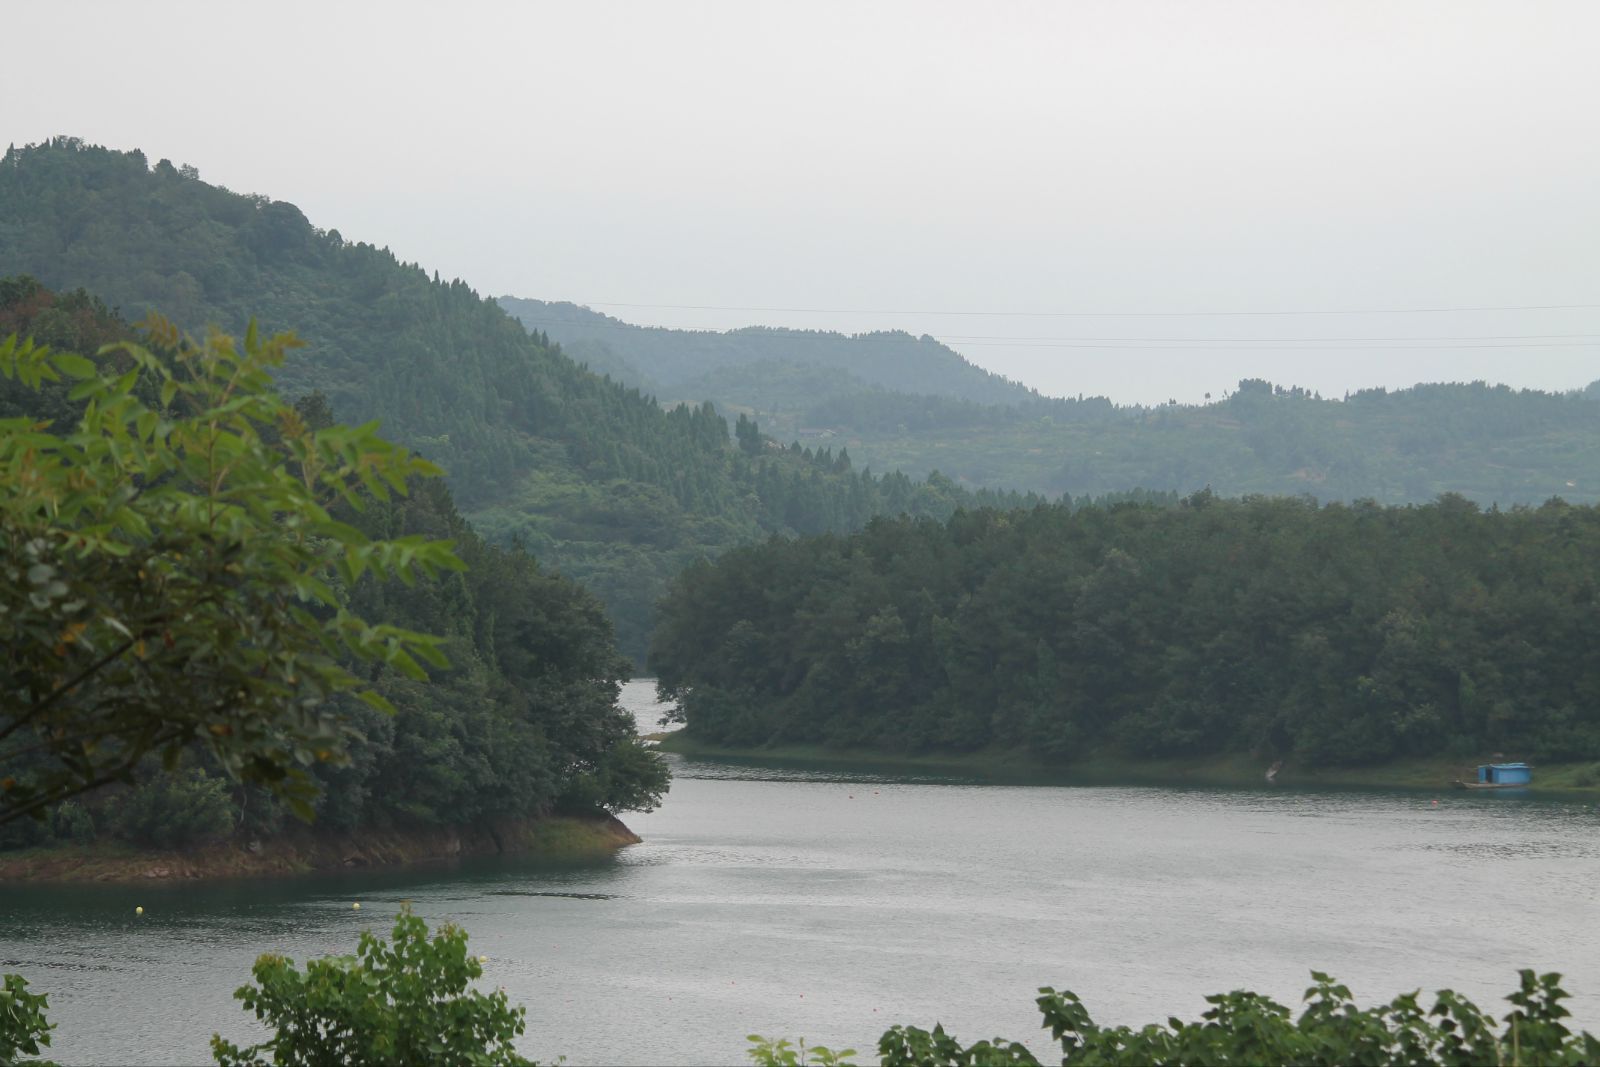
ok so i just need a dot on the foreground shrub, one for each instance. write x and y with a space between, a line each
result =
405 1002
1247 1029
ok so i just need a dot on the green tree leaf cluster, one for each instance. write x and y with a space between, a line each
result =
404 1000
165 568
23 1026
765 1052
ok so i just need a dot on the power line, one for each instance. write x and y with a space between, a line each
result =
1096 314
1281 348
1275 340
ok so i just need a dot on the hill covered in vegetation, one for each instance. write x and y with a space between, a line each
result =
675 363
1332 635
589 475
1491 444
914 405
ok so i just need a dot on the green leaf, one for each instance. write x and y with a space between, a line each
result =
375 700
344 533
74 366
401 661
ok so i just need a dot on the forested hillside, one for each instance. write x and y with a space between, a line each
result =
591 476
674 363
1491 444
919 407
1334 635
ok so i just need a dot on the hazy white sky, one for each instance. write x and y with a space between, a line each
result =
887 164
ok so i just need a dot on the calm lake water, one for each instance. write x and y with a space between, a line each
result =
829 906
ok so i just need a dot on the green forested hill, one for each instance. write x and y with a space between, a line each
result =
1489 443
443 369
673 362
1335 634
593 477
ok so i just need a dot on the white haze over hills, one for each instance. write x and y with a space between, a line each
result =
866 167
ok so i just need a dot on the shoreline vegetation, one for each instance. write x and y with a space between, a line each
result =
1326 636
303 851
1234 771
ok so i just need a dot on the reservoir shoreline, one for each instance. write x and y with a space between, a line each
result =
303 850
1235 770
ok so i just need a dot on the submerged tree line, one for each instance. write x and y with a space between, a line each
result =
1334 634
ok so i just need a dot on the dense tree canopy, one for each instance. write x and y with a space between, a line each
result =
1336 634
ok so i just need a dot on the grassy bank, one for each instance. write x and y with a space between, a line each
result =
1110 768
302 850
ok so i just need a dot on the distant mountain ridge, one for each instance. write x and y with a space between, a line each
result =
666 360
926 409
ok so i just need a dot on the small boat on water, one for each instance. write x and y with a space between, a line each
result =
1500 776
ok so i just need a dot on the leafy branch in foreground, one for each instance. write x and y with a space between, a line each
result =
402 1002
1247 1028
785 1053
170 571
23 1027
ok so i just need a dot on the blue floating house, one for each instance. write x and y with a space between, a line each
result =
1503 774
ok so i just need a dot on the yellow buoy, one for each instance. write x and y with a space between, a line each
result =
483 959
139 910
356 906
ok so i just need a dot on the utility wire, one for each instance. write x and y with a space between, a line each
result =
1136 344
1097 314
1274 340
1281 348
